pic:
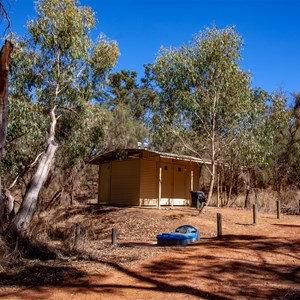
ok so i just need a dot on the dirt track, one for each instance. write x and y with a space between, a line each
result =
249 262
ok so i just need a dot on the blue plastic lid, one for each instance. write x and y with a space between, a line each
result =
176 236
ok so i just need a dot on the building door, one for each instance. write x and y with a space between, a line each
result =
166 184
104 183
179 184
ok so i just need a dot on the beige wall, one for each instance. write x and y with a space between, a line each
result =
136 181
148 182
177 181
125 181
104 183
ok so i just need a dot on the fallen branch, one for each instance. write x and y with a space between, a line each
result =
53 199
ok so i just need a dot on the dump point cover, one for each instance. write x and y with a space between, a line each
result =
176 236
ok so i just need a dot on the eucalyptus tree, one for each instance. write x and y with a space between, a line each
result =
286 150
123 88
252 150
125 130
58 66
127 102
25 140
79 133
205 95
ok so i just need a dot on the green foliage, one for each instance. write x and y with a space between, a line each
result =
127 104
204 93
67 67
207 106
58 65
286 150
26 137
79 134
123 89
123 130
255 142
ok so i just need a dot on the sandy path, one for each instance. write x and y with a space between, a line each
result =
249 262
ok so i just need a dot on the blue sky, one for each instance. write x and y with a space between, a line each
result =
270 29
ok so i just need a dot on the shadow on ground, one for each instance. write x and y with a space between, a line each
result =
227 262
210 269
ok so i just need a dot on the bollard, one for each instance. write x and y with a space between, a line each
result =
278 209
1 210
114 237
219 224
254 214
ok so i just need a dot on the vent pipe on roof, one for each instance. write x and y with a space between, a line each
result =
142 146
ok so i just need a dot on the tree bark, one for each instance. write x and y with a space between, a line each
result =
247 179
247 197
213 153
230 185
19 225
213 174
1 210
4 68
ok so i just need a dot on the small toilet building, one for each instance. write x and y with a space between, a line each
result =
146 177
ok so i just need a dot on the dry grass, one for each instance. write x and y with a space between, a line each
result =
58 228
8 257
54 231
266 200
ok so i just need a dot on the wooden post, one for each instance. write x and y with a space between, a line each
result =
218 187
254 214
299 207
76 233
1 210
192 185
99 186
219 224
114 234
159 187
278 209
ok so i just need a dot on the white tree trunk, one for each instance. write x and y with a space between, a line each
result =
21 222
213 154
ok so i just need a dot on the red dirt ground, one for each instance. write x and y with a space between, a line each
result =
249 262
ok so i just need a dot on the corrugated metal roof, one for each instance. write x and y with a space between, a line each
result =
139 153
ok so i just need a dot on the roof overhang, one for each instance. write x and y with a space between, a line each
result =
142 153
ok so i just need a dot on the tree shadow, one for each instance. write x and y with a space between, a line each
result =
247 275
40 275
137 244
244 224
198 268
287 225
73 279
